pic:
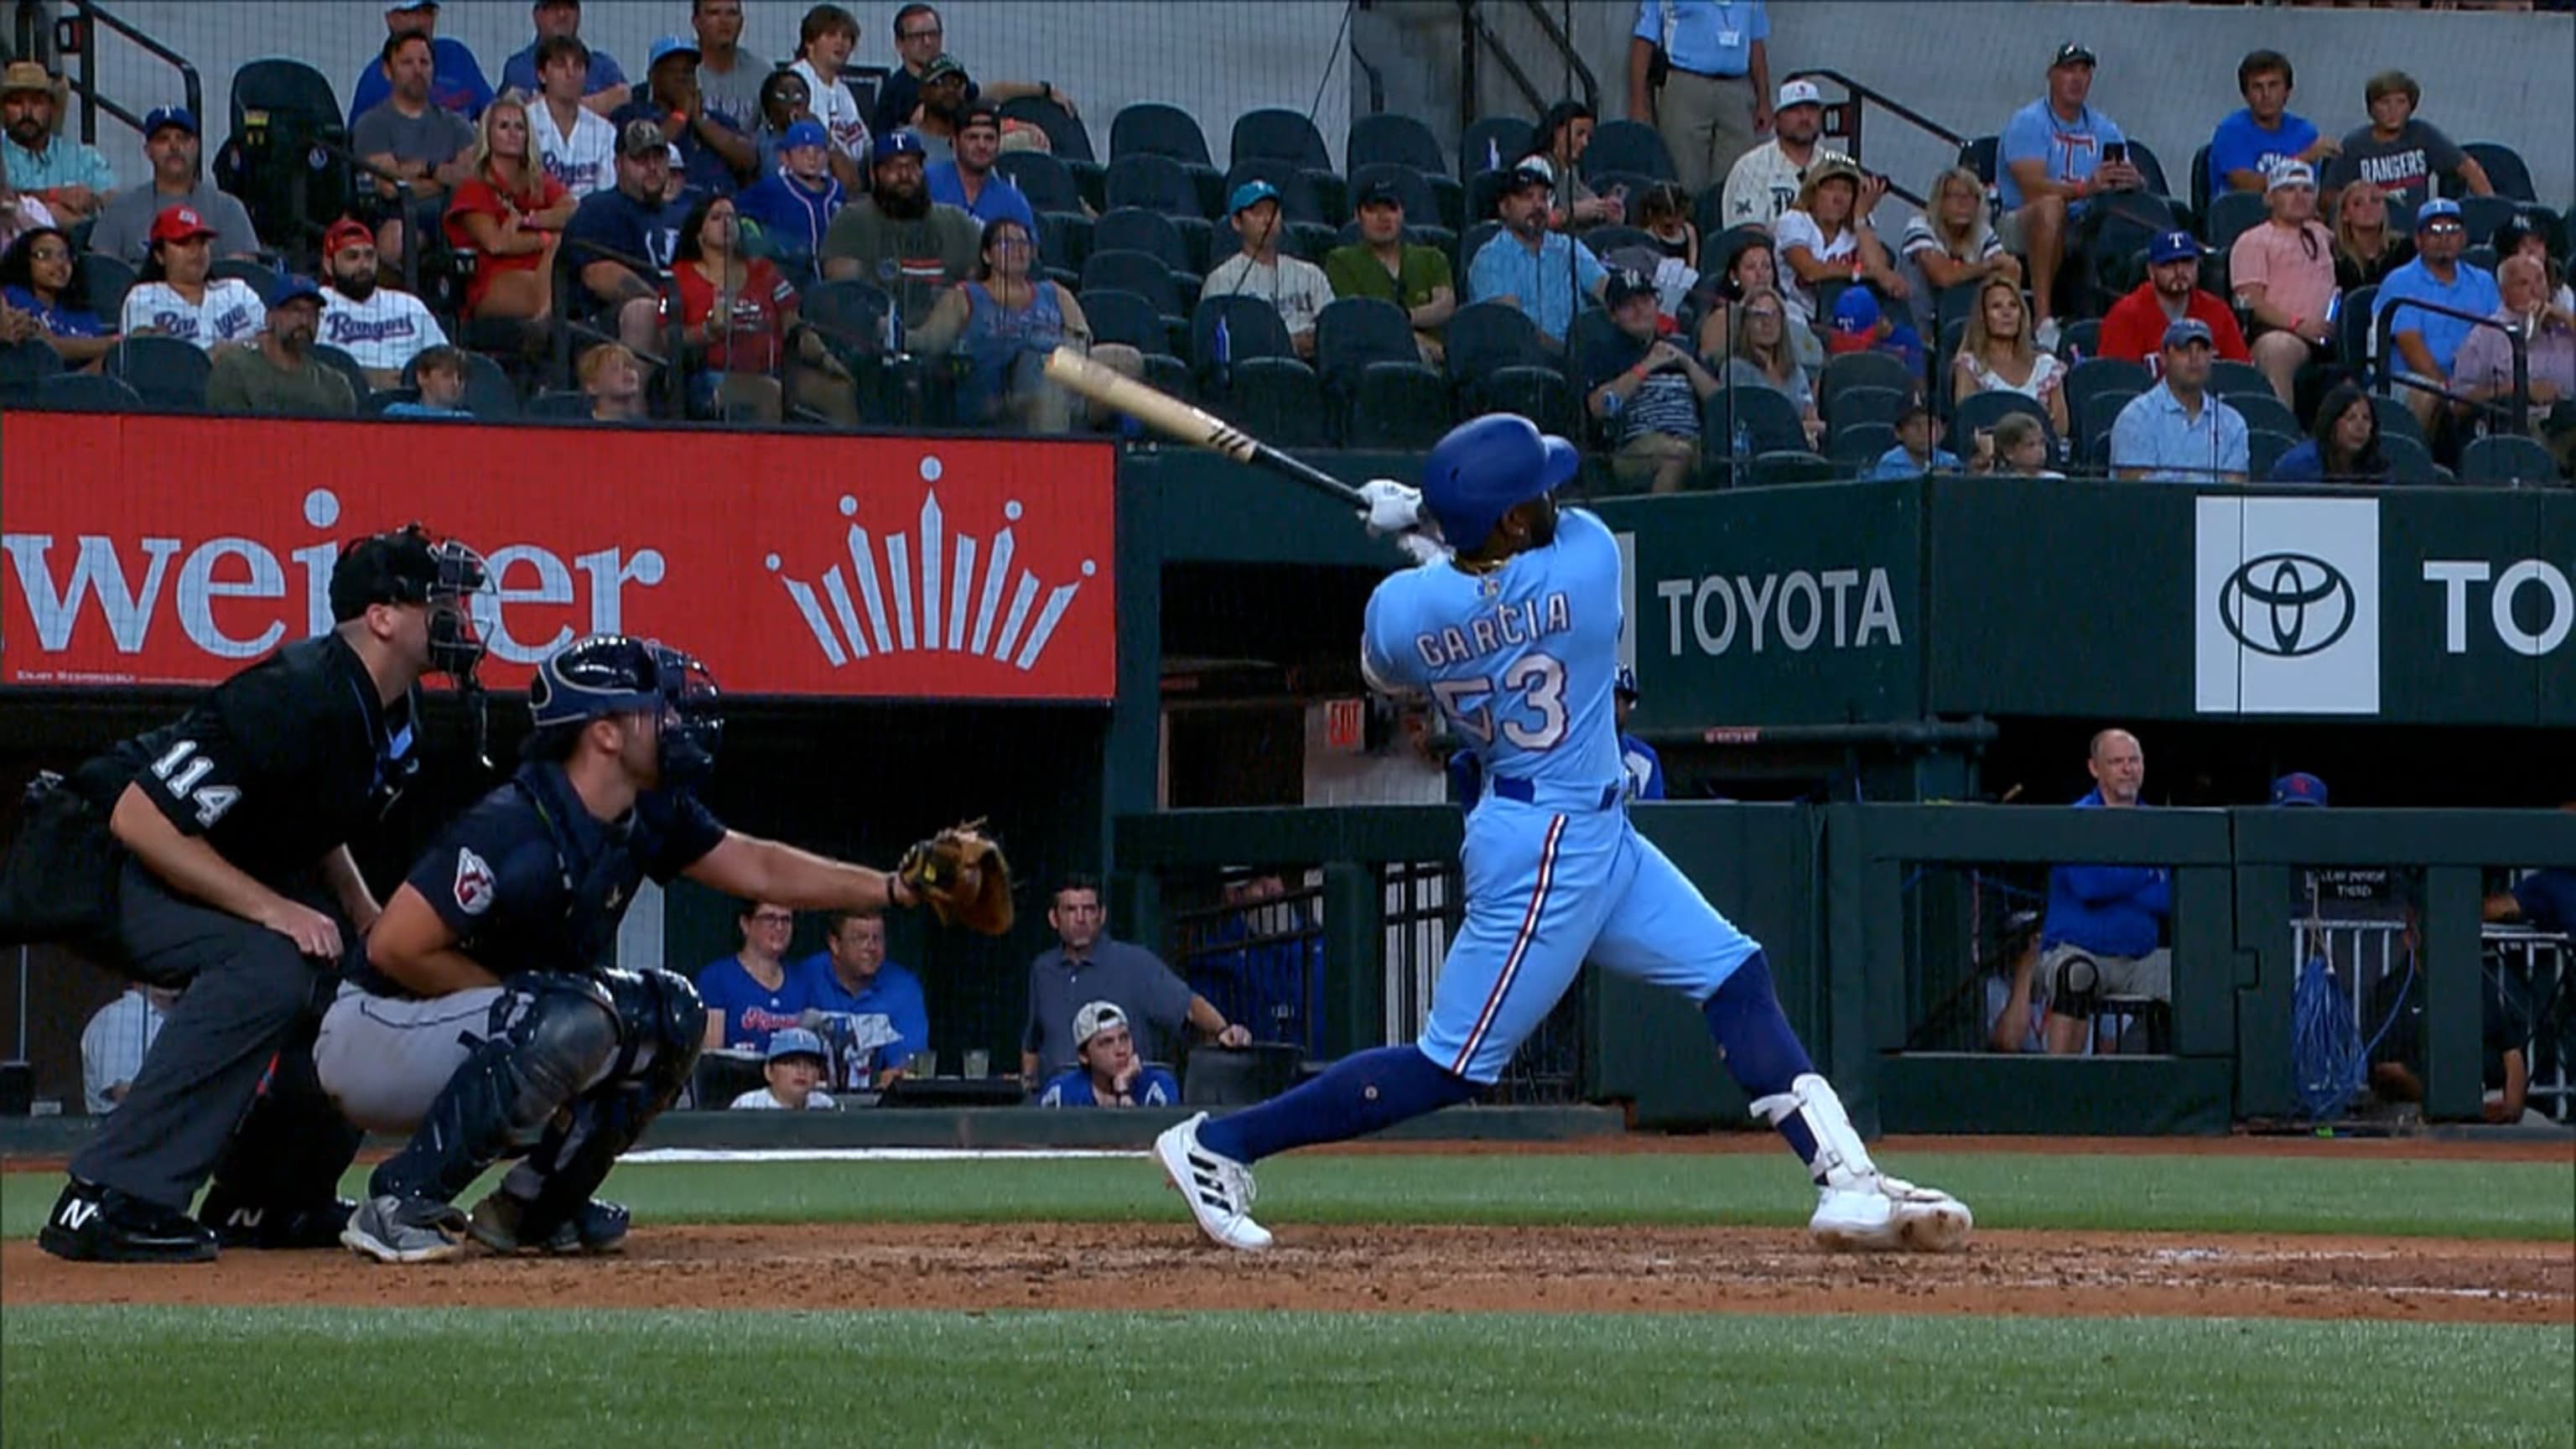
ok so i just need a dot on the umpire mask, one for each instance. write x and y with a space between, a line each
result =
408 566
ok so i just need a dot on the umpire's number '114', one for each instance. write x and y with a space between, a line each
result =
180 768
1538 680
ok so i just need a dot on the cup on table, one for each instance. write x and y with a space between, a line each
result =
924 1064
979 1063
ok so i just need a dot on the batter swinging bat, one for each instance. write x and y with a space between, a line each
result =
1174 418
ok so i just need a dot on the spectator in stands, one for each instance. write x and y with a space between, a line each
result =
18 210
457 84
713 155
1382 264
380 327
1645 390
2342 445
2103 935
944 88
612 376
2283 273
2483 369
1108 1073
1003 324
2251 142
170 143
784 101
2428 343
577 143
871 1010
175 296
967 179
2177 431
2366 248
45 301
2016 1001
1087 965
2517 236
512 215
1860 325
1713 97
1997 355
622 239
920 37
604 86
823 45
2398 153
1950 245
1563 131
1765 181
1296 288
2135 326
795 1066
417 149
1750 267
1763 357
1529 266
730 78
439 373
278 374
736 315
2055 155
900 240
117 1039
1664 213
72 180
1918 447
751 993
2020 448
793 206
1821 238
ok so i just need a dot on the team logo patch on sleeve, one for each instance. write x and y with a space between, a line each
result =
474 887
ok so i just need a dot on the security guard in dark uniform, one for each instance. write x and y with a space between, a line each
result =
486 1021
233 881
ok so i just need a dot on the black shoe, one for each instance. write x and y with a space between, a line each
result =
279 1228
94 1224
503 1224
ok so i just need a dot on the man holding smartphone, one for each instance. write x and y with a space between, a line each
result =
1647 388
2055 154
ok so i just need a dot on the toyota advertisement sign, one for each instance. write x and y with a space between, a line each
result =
2288 619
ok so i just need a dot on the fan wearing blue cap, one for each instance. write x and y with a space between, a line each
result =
278 373
1295 288
897 239
794 1066
2179 431
173 144
714 153
2428 343
793 206
2134 328
1515 638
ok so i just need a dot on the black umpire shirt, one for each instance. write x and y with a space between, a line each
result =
530 880
276 767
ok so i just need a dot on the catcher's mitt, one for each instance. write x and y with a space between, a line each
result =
961 876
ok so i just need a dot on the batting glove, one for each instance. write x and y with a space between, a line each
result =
1392 507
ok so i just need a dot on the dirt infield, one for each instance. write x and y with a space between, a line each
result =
1444 1269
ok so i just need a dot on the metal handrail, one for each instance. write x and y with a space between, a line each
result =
1478 37
1565 49
68 36
2515 417
1851 110
1376 81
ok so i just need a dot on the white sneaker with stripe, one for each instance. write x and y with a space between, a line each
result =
1218 1189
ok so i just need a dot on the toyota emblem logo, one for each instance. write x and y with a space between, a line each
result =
2287 604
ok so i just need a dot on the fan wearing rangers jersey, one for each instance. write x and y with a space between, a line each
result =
576 143
177 298
384 328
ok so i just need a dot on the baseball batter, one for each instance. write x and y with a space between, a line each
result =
1515 639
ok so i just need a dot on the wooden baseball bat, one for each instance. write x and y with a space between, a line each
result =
1174 418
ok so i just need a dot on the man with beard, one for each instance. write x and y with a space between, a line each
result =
1764 181
623 238
1531 267
920 38
382 327
969 182
71 179
898 238
170 142
2135 326
714 153
279 373
945 87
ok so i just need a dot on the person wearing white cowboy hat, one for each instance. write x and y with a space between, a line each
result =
1764 181
72 180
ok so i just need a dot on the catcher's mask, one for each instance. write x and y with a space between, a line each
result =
608 674
408 566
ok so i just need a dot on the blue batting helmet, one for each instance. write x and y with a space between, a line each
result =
1485 467
1625 682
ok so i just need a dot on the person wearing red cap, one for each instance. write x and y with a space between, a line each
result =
176 296
383 328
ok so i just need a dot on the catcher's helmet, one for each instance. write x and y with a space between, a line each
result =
1485 467
607 674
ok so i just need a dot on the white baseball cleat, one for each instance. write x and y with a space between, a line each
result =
1878 1213
1218 1188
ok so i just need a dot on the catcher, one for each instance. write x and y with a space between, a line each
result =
478 1021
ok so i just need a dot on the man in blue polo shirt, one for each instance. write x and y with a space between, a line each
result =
1085 966
1530 266
2103 935
2264 134
456 82
2428 342
1714 102
968 181
873 1013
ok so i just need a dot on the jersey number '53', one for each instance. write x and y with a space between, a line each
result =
1532 685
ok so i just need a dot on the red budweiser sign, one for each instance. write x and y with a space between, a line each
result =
160 550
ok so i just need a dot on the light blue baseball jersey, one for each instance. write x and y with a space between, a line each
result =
1520 661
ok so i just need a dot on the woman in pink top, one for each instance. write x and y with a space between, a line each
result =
2284 275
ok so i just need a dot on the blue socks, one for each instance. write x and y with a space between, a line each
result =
1762 1053
1358 1095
